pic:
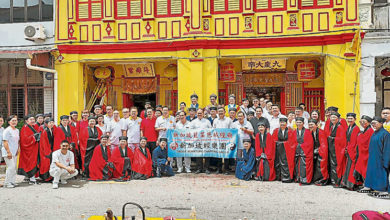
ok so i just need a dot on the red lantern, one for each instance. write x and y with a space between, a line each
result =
386 71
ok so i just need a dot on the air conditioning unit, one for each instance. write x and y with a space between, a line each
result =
34 32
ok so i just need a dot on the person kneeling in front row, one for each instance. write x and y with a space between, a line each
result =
62 166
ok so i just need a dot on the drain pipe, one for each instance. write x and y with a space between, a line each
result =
38 68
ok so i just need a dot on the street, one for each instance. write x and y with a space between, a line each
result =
213 196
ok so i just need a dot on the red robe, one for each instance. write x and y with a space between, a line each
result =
321 166
101 166
266 167
342 121
348 178
29 152
339 143
289 148
81 125
122 163
59 136
363 141
45 151
140 165
87 145
304 161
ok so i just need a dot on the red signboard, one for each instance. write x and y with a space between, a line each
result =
307 71
227 73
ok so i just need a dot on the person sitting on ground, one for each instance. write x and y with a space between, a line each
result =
246 164
142 161
101 166
161 159
62 166
122 157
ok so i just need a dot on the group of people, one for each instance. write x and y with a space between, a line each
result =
298 147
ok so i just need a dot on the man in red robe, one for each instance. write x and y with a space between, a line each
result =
142 161
83 123
46 145
66 132
101 166
342 121
89 138
336 148
286 143
29 149
362 142
265 154
303 154
122 157
348 181
74 115
320 160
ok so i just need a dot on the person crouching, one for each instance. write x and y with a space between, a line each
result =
62 166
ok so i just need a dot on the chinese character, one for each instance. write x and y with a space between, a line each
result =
146 69
131 70
138 70
276 64
251 64
267 64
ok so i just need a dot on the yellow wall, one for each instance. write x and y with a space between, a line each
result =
198 63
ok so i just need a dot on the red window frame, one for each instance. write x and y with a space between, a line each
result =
128 9
315 2
269 6
168 10
89 2
226 8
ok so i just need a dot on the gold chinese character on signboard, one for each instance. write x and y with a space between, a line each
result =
264 64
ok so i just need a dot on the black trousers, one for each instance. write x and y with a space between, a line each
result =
199 163
151 146
225 166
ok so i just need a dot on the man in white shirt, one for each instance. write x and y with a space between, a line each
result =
183 124
305 114
164 122
62 166
132 129
126 116
274 118
244 107
255 104
299 113
114 130
109 116
222 122
245 131
201 123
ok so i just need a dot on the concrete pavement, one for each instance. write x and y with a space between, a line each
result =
213 196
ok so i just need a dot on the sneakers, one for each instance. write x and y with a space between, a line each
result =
180 170
9 186
33 183
207 172
55 185
63 182
188 170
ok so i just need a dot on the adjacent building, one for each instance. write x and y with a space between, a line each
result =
26 32
375 68
124 52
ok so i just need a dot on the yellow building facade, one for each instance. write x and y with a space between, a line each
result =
125 52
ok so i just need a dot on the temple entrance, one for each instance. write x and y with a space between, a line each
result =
269 93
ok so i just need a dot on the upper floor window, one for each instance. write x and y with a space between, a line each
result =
304 4
168 8
128 9
25 11
270 5
226 6
89 10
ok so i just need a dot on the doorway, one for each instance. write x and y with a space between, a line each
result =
270 93
130 100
